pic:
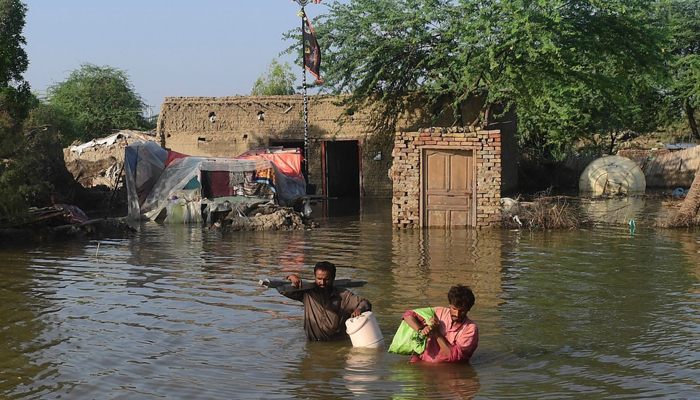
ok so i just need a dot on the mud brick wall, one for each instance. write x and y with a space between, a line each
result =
642 154
664 168
243 123
405 172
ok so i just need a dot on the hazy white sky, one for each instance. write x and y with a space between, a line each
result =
167 47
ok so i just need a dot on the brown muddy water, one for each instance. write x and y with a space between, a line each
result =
176 312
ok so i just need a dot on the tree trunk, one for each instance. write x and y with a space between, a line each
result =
690 113
689 208
613 135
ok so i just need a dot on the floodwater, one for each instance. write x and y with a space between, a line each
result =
177 312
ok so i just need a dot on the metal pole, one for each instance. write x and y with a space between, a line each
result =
306 107
306 125
305 171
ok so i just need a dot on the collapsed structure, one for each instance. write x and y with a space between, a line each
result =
164 185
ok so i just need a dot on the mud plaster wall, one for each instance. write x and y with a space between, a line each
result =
185 126
248 122
101 164
405 173
666 169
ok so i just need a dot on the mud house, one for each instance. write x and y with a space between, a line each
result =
347 158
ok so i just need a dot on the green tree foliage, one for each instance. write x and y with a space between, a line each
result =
682 18
562 64
15 101
588 70
12 202
31 159
278 80
15 96
98 100
43 114
34 168
13 58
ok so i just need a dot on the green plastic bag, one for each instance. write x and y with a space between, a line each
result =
408 341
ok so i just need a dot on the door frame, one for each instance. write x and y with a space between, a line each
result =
422 175
324 164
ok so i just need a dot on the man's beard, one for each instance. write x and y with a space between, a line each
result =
325 289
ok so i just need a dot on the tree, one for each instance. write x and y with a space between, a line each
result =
32 168
15 96
683 96
550 59
43 114
15 101
13 58
98 100
682 17
685 216
278 80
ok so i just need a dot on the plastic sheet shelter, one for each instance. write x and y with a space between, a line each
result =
179 188
287 160
291 184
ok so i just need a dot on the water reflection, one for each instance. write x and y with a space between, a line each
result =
620 210
427 263
341 207
25 330
439 381
176 312
360 370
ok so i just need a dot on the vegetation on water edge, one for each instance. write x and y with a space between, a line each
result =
545 213
580 75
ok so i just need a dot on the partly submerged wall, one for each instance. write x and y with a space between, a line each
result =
407 172
228 126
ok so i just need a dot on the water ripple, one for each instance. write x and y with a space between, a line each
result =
177 312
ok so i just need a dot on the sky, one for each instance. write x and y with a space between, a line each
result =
210 48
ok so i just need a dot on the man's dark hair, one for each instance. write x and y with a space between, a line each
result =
461 296
325 266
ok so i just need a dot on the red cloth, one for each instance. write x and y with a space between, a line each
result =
174 156
220 184
288 162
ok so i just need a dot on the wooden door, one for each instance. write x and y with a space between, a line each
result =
447 188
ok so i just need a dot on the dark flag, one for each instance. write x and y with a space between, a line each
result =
312 52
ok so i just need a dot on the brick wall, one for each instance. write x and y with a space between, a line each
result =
184 125
406 169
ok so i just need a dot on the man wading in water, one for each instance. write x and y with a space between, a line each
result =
326 307
452 336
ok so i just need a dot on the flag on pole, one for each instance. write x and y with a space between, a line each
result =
312 52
